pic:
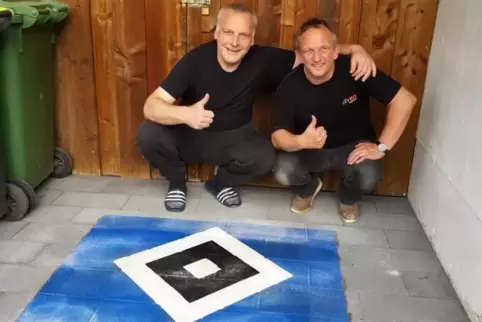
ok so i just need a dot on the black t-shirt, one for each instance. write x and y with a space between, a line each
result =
341 105
232 94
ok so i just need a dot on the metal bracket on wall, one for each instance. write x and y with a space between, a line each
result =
197 3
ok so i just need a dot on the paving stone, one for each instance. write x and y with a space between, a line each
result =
13 251
12 304
9 229
436 285
138 187
46 197
155 205
409 240
22 278
394 205
376 220
90 216
55 214
246 210
378 281
80 184
356 236
53 233
389 259
53 255
91 200
400 308
353 306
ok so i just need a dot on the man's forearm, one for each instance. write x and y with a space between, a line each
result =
160 111
284 140
397 118
348 49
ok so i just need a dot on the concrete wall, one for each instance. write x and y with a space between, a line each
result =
446 181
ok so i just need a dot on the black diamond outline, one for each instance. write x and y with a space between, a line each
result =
171 269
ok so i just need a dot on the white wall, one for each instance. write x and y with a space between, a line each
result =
446 181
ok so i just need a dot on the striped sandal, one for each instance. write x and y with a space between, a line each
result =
175 200
227 196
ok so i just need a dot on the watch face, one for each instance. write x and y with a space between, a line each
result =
382 147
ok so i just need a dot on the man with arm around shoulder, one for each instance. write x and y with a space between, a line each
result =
322 123
202 111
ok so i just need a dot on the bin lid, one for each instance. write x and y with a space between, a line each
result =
32 12
5 18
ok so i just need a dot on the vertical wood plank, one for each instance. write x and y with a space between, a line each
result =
288 16
105 80
76 112
327 9
412 51
165 25
195 25
131 83
304 11
378 33
269 22
349 12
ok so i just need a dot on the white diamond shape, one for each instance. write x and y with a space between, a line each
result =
202 268
173 303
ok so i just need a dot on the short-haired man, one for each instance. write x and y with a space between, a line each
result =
322 123
215 86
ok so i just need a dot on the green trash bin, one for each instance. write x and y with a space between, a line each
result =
27 87
5 18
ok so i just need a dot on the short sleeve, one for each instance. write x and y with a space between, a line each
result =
382 87
284 116
279 63
177 81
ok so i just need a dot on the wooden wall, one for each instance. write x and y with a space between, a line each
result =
112 53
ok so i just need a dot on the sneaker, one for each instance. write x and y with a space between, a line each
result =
301 205
175 200
227 196
349 213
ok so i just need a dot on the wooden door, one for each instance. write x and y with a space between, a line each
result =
397 33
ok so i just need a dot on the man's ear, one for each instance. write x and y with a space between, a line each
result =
337 51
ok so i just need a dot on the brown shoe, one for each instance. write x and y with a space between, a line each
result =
302 205
349 213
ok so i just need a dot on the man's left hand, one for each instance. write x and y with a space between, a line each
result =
365 151
362 64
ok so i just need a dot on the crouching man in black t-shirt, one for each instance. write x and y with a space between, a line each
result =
215 86
322 122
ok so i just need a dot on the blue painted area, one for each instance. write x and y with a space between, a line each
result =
89 287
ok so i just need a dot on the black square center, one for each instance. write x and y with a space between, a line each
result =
171 269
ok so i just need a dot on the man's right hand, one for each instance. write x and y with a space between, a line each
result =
313 137
197 117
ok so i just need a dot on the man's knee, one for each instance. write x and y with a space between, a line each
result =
285 168
369 174
153 137
258 160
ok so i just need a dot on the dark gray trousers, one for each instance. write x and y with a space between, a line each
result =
242 154
299 170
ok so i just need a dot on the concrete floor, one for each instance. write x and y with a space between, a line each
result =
390 270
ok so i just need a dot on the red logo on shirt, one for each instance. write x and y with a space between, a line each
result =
350 99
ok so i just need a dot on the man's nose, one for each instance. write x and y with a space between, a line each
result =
317 56
235 40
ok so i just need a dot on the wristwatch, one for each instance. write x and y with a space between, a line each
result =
382 147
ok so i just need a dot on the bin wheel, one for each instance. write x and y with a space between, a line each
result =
62 164
18 203
28 190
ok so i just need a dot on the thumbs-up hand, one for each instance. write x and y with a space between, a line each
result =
199 118
313 137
